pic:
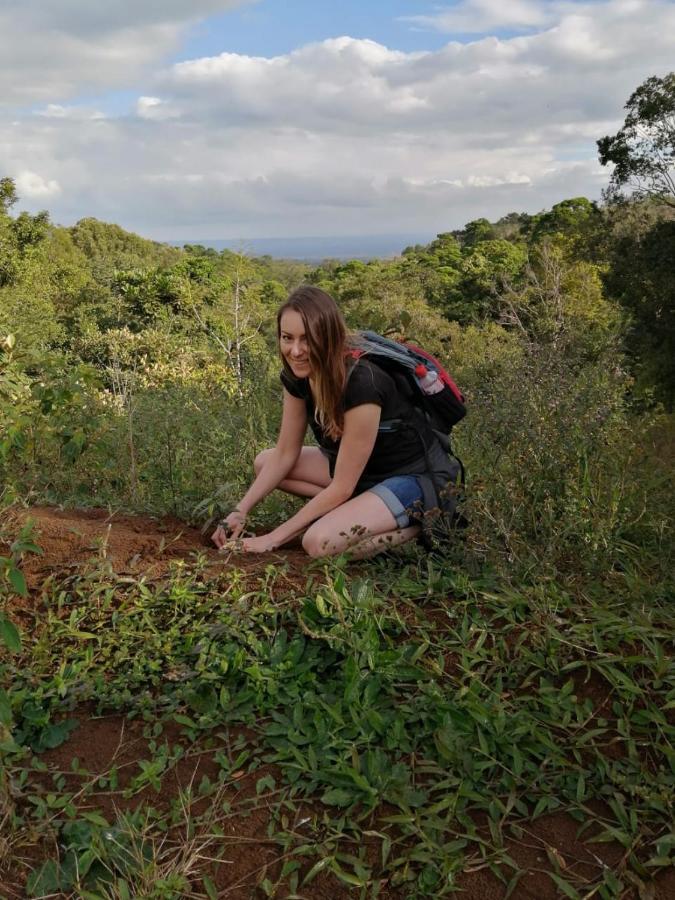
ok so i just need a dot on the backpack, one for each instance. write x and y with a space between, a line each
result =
411 368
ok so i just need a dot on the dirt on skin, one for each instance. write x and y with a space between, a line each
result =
144 545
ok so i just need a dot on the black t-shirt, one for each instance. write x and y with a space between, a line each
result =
395 450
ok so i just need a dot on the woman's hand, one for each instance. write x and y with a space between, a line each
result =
229 528
264 543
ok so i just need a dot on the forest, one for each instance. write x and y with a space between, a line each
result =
493 716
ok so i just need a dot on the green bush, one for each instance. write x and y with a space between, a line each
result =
556 477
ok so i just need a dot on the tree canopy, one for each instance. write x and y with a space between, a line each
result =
643 150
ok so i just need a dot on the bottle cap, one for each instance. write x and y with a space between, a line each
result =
421 370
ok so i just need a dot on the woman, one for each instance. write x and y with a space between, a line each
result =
363 480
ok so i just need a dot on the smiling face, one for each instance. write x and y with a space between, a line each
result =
293 343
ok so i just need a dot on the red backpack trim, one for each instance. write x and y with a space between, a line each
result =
410 362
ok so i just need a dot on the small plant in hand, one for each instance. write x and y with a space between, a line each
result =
230 530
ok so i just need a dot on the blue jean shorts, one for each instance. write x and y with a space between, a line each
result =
402 495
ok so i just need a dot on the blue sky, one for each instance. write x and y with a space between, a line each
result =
227 120
273 27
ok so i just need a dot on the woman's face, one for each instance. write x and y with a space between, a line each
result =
293 343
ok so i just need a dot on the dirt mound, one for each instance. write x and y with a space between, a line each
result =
132 545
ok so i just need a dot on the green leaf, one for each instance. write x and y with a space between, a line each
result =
316 868
541 807
347 877
27 547
18 581
267 781
203 700
9 635
95 818
210 888
44 880
581 788
338 797
180 719
290 866
5 708
665 861
77 834
266 887
513 884
55 735
565 886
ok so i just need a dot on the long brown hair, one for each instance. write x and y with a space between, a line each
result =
326 334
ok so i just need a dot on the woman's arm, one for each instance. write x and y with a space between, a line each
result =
281 461
356 445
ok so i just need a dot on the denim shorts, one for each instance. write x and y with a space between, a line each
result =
402 495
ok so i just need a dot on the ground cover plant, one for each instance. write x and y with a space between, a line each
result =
181 725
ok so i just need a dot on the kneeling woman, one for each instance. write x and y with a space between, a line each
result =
366 477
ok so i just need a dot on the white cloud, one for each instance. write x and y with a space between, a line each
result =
489 16
155 108
492 181
58 111
53 50
573 71
347 136
481 16
31 185
92 19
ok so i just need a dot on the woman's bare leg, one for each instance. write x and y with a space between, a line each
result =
308 476
378 543
364 526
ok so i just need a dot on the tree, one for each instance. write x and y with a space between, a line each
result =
8 195
109 247
569 218
643 151
20 237
476 231
560 302
640 278
486 267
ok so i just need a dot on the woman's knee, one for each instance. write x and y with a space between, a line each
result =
316 541
310 543
261 460
325 539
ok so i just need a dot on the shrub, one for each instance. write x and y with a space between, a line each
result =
551 455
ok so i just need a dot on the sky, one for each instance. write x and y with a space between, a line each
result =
188 120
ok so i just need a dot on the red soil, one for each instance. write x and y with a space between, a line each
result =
133 545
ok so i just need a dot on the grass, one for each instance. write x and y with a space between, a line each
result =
418 721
